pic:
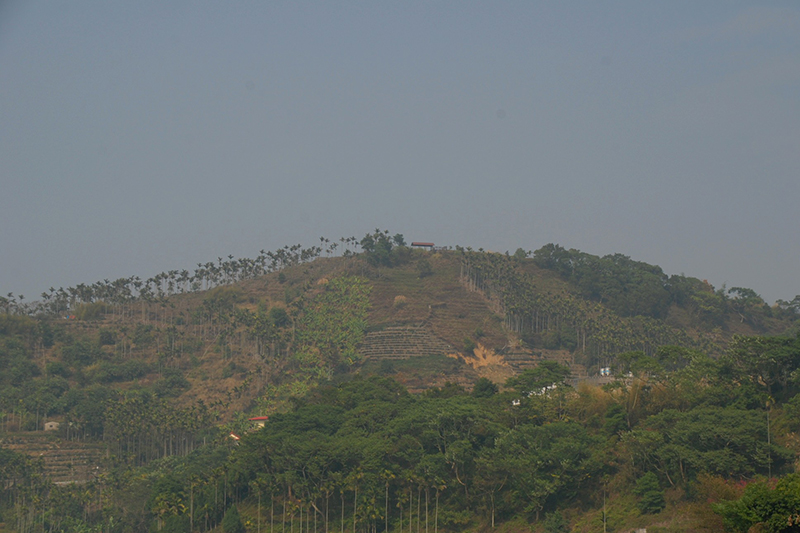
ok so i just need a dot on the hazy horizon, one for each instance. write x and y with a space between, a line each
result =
142 137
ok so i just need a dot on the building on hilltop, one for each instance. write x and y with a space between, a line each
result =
258 421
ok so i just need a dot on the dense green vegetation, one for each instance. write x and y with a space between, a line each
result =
366 456
612 304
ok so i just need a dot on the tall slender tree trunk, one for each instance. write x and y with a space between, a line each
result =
436 514
426 509
492 496
191 507
355 508
410 508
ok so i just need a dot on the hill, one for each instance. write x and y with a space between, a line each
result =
237 334
159 369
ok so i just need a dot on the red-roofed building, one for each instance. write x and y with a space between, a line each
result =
259 421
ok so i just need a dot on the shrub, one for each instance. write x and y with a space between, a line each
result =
484 388
92 311
386 367
106 337
57 368
171 384
469 345
23 371
651 497
232 522
278 317
143 335
82 353
554 523
424 268
176 524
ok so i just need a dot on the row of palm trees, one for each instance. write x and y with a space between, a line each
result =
224 271
139 429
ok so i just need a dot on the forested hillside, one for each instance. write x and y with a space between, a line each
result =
451 390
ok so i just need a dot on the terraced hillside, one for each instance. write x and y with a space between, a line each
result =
403 342
65 461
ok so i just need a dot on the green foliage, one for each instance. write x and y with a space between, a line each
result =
615 421
709 306
16 325
770 363
775 510
81 354
424 268
106 337
334 322
727 442
143 335
639 364
484 388
559 319
90 311
545 374
469 345
177 524
22 372
46 333
749 306
448 390
232 522
674 358
382 250
223 297
172 383
279 317
651 496
628 287
57 368
632 288
545 462
118 371
554 523
386 367
378 248
87 409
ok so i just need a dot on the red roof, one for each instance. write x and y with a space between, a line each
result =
259 418
421 244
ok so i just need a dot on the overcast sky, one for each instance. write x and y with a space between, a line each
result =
140 136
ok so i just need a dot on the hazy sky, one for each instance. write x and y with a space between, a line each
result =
140 136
